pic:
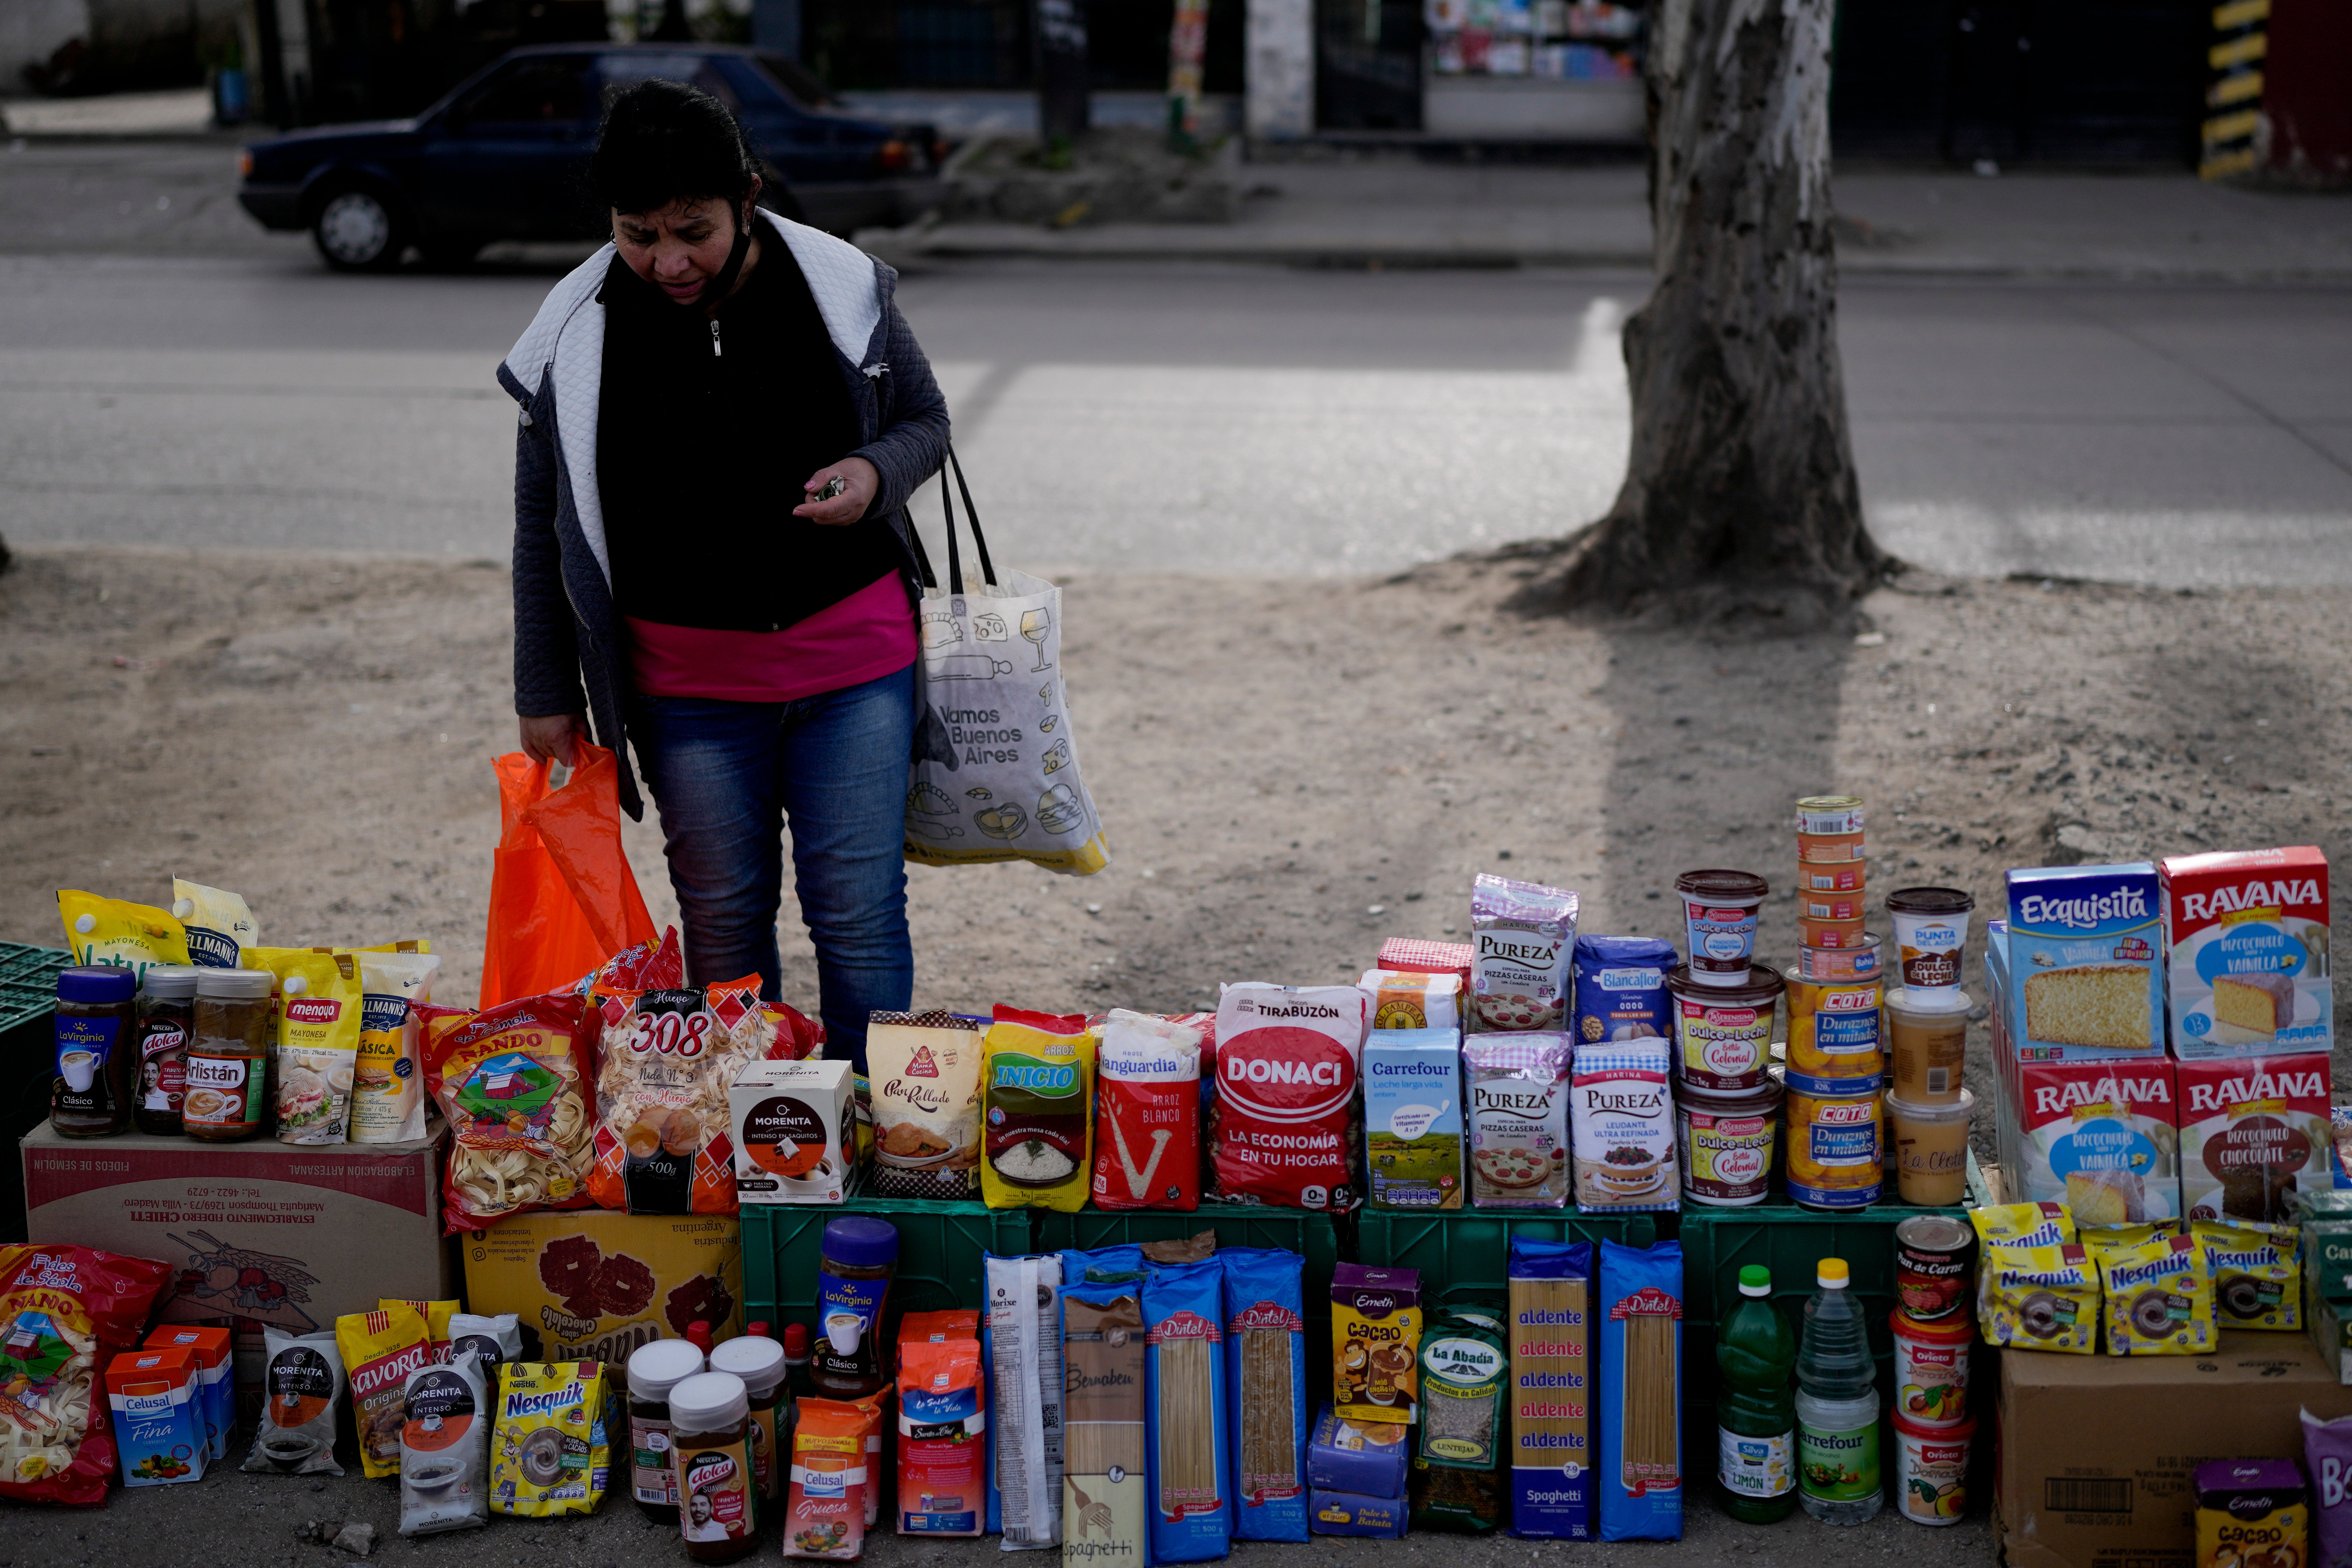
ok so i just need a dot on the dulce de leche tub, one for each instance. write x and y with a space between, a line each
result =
1723 1034
1726 1143
1719 918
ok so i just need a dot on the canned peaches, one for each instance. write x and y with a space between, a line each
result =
1828 848
1831 877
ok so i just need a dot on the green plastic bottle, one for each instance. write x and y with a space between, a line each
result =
1755 1413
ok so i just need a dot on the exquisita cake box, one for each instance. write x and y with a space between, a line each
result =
2085 975
2246 960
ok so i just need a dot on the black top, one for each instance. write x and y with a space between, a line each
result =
700 455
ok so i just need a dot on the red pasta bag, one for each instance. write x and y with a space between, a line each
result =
513 1083
1146 1113
65 1311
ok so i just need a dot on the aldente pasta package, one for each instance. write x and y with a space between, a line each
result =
1184 1386
65 1311
1640 1311
1265 1374
513 1083
1036 1119
1148 1114
1550 1330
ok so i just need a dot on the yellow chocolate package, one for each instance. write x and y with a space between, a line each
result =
2043 1223
2099 1240
2159 1299
2257 1273
2039 1298
111 933
549 1451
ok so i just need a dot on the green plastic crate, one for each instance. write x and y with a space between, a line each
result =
1464 1255
28 1003
940 1245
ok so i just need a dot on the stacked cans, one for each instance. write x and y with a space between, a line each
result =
1727 1100
1932 1329
1836 1053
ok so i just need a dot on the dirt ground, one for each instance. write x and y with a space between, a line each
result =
1289 771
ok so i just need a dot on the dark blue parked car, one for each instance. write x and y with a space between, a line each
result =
505 155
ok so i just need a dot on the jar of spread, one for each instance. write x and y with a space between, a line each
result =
1727 1143
711 1451
1719 918
167 1018
1928 1032
228 1056
859 1256
97 1034
759 1360
655 1370
1723 1034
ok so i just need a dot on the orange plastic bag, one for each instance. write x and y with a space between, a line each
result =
562 898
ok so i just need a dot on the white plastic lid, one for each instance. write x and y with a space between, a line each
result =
243 984
1930 1001
172 982
760 1362
657 1368
708 1401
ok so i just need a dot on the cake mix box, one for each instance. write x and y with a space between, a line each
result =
2084 976
2101 1137
2245 944
2254 1131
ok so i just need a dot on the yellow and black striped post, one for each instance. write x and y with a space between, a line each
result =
2234 98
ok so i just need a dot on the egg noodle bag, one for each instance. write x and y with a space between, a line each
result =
2039 1298
512 1082
665 1064
110 934
2159 1298
219 927
549 1453
65 1311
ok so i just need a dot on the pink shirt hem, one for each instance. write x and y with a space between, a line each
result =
864 637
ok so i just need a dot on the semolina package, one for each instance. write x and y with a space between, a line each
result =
110 934
2039 1298
2159 1298
1036 1120
549 1451
2257 1273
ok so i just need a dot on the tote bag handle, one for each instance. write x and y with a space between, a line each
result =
955 555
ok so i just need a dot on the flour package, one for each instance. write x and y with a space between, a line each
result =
1622 1126
1285 1123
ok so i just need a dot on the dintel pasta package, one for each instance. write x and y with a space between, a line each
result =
513 1083
1639 1314
1148 1114
1184 1388
1285 1123
1265 1362
1037 1098
65 1311
663 1065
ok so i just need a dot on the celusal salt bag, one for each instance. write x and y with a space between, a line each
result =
996 774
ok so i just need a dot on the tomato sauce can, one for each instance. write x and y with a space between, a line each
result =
1835 1044
1932 1258
1723 1034
1725 1144
1931 1368
1931 1471
1835 1152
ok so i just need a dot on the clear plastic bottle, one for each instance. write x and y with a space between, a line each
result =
1837 1405
1755 1424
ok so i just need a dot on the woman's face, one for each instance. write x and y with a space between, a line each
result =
682 247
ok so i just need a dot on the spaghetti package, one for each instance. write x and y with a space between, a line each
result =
379 1350
1550 1328
320 998
1376 1318
824 1503
1457 1469
1265 1366
65 1312
219 926
1105 1500
1640 1311
1286 1123
1191 1449
924 1068
1037 1098
110 934
549 1451
388 1084
942 1438
665 1059
1020 1340
512 1082
1148 1114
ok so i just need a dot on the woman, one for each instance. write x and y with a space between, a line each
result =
723 414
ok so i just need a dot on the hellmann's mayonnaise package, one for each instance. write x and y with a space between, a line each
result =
2039 1298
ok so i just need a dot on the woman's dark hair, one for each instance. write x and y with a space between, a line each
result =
663 142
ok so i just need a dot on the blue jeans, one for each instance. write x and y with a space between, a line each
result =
728 776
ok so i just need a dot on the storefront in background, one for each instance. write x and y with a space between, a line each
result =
1485 70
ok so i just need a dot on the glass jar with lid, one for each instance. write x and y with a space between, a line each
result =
857 1259
717 1512
167 1020
228 1056
97 1040
654 1370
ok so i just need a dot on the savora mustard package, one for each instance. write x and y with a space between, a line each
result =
2159 1298
2039 1298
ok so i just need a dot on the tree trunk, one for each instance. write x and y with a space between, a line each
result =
1739 493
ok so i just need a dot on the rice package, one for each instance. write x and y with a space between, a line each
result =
1413 1118
1184 1387
445 1448
1148 1114
1037 1098
65 1313
1376 1319
1640 1312
1519 1115
942 1435
1020 1340
2159 1298
923 1069
1265 1366
1550 1328
301 1385
549 1451
2328 1460
1286 1119
1457 1469
1106 1498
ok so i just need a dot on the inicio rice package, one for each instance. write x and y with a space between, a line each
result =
1037 1099
1185 1389
445 1448
320 1002
388 1084
218 925
925 1104
1376 1318
1639 1314
665 1064
512 1082
1265 1362
2159 1298
380 1349
1147 1115
2039 1298
1286 1119
302 1383
65 1312
1524 934
110 934
1519 1115
549 1450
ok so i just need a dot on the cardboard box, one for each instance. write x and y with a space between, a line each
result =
2254 1131
1342 1457
794 1132
2245 945
591 1285
210 1346
1344 1513
2098 1454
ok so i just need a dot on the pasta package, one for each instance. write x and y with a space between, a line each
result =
110 934
2039 1298
1457 1473
379 1350
2257 1273
1551 1322
65 1313
1519 1106
550 1454
388 1078
1265 1358
1020 1340
1147 1115
512 1083
1286 1119
1184 1387
302 1383
924 1068
320 1000
1105 1500
1640 1311
664 1067
219 926
2159 1298
1376 1319
1037 1097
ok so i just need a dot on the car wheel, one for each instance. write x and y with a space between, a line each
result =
357 229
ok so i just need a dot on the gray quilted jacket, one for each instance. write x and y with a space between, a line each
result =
568 634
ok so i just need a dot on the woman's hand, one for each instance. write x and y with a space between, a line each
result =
554 738
860 483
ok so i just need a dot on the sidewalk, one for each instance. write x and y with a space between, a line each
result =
180 112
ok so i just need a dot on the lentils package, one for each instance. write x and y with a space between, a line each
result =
1519 1091
1457 1467
1037 1096
445 1448
302 1383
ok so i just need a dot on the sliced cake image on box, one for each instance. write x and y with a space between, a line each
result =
2080 961
2245 942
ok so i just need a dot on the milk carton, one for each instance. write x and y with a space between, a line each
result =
2245 944
156 1398
2080 961
1412 1118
